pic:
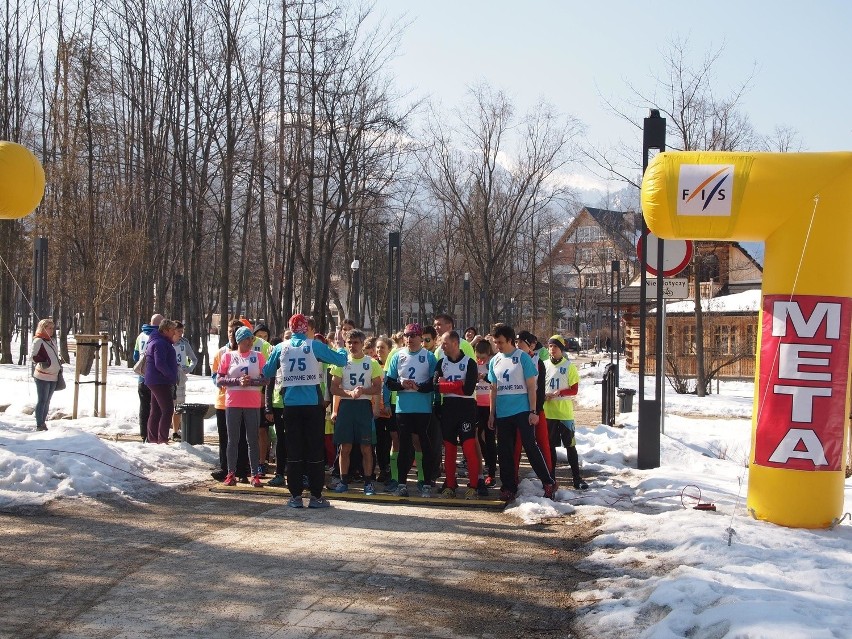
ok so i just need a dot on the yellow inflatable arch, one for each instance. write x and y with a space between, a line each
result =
801 205
21 181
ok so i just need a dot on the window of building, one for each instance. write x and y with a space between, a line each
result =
709 268
585 256
725 339
588 234
671 336
751 337
591 280
687 340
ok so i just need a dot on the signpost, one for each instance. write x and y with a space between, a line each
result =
673 289
676 255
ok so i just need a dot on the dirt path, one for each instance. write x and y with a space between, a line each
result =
194 564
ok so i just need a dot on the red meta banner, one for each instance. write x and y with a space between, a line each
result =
804 372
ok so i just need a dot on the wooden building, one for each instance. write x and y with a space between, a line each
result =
730 280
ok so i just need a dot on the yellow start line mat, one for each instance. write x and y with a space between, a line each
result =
358 495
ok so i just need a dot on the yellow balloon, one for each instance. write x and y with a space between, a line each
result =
800 204
21 181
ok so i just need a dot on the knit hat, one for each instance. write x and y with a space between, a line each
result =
242 333
299 323
262 327
321 338
413 329
527 337
557 340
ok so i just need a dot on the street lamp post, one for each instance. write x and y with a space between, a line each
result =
466 300
616 270
650 410
356 291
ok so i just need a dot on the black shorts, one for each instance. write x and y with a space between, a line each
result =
458 423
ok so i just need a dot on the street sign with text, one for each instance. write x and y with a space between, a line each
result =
673 289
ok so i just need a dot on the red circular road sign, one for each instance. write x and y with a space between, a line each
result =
676 255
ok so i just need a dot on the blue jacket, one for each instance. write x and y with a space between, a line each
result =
303 395
161 365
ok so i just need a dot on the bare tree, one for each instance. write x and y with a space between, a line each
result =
492 198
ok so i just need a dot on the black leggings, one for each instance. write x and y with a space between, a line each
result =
413 424
280 440
144 410
487 440
508 429
305 448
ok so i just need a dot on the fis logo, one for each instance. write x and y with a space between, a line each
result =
366 366
705 189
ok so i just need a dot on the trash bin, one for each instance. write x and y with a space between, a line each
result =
625 400
192 422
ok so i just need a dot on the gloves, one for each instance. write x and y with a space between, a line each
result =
450 388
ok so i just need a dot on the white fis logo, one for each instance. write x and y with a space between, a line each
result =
705 189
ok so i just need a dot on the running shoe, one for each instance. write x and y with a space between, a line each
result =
550 490
230 480
262 470
296 502
255 481
219 475
482 488
507 495
341 487
318 502
391 486
176 437
277 481
489 481
401 491
470 493
447 493
579 484
43 427
425 491
369 489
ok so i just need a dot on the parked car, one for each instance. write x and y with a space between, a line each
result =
572 344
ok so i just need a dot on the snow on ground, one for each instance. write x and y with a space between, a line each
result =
83 457
668 570
664 569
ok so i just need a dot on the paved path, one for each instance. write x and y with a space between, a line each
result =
194 564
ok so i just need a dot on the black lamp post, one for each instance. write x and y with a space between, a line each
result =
356 291
650 410
394 279
466 300
616 271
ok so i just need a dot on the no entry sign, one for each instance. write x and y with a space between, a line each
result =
676 255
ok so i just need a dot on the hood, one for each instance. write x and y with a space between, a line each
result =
148 328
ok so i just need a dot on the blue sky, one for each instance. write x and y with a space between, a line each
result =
573 54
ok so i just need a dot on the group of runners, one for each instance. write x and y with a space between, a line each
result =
374 408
